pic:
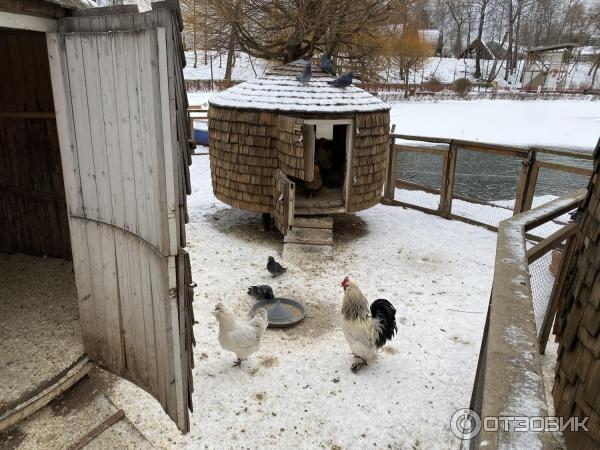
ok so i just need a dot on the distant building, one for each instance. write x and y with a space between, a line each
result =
546 67
477 46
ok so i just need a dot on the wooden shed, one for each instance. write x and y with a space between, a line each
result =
274 140
94 155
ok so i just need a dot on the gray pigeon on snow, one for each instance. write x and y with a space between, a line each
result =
306 74
274 267
326 64
261 292
343 81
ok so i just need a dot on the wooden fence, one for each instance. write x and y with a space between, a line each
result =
423 174
509 372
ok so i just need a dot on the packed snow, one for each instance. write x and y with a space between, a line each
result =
298 390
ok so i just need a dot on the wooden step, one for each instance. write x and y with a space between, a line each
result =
313 222
310 237
315 236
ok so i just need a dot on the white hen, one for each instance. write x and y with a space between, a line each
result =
240 337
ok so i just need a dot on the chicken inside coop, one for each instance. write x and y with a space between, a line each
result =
326 190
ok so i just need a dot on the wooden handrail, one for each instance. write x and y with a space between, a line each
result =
483 146
551 242
510 350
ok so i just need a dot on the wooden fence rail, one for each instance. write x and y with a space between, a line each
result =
512 341
448 152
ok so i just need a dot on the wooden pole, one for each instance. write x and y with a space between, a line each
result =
390 184
447 181
526 186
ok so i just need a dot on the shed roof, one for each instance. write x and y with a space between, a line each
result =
279 90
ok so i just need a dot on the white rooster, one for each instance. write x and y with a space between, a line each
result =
240 337
366 329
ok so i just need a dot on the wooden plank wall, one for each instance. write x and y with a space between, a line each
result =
33 216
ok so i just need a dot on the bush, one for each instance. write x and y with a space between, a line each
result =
462 86
433 85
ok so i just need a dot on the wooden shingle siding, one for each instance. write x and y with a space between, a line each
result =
243 157
576 389
33 212
369 161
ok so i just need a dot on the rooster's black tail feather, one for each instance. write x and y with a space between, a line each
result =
384 312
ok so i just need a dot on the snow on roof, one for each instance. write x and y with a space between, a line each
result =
279 90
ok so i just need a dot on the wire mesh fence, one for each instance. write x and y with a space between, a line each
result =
418 178
488 182
542 276
485 186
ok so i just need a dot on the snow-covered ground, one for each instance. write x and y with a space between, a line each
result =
444 69
571 124
298 391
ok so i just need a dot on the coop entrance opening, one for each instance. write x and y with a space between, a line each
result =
326 192
39 317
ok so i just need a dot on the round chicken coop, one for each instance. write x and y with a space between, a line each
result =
287 148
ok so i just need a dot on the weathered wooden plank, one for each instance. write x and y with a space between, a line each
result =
119 46
174 343
61 90
170 151
111 129
313 222
102 426
145 41
89 46
137 147
83 281
72 376
315 236
83 139
158 301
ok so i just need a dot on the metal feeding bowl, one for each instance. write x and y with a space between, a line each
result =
282 312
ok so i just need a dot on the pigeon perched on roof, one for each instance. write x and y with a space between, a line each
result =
326 64
343 81
306 74
261 292
274 267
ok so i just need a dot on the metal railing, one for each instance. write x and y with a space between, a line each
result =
508 381
479 183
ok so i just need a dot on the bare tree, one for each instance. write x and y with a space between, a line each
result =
291 29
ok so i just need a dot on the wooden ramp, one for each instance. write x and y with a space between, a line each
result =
310 237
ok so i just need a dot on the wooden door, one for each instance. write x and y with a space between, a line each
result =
123 175
296 147
283 201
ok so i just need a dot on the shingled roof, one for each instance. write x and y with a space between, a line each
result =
279 90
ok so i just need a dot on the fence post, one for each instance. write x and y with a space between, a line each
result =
390 183
527 181
447 185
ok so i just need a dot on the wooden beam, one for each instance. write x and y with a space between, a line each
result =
556 294
102 426
41 399
447 181
415 149
390 184
26 22
551 242
525 188
562 168
27 115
